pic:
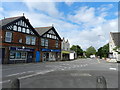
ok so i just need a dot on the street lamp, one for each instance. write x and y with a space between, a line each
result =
23 47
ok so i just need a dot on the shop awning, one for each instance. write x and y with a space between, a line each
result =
66 52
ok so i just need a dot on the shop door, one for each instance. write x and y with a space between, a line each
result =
37 56
30 57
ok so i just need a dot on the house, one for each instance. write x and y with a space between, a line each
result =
18 40
65 53
50 43
114 43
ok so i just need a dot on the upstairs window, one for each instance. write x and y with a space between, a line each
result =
23 30
56 44
46 43
28 31
8 37
42 42
19 29
30 40
15 28
33 40
27 39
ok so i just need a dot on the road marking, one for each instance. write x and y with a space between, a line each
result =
30 71
113 68
43 72
5 81
13 74
19 73
81 74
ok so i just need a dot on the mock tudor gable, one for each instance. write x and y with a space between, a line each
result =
18 24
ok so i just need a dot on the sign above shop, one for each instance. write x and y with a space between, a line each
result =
51 50
21 49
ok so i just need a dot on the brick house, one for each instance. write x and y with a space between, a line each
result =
19 41
50 43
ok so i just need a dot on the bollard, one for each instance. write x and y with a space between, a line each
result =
15 84
101 83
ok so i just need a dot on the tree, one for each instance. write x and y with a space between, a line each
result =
90 51
103 51
77 49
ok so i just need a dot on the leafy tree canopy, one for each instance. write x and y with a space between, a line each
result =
77 49
90 51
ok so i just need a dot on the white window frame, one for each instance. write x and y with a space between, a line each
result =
57 44
28 40
46 42
42 42
33 40
8 37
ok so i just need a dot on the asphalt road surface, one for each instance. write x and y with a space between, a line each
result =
82 73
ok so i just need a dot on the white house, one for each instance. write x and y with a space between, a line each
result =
114 43
65 46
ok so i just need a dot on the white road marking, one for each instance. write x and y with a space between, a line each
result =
112 68
5 81
30 71
13 74
19 73
81 74
43 72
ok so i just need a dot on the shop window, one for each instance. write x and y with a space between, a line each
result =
18 55
8 37
23 55
42 42
12 55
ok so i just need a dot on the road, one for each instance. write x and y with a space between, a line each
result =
82 73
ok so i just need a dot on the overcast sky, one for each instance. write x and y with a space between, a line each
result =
82 23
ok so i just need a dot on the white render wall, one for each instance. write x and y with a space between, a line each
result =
65 45
111 47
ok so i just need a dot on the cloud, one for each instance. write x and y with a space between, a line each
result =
86 28
49 8
105 7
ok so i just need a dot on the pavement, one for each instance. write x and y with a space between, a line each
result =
80 73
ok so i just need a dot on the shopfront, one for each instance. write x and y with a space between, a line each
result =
65 55
50 54
21 54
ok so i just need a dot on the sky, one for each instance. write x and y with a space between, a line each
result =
82 23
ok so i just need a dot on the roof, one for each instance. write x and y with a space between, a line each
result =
42 30
116 38
9 20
